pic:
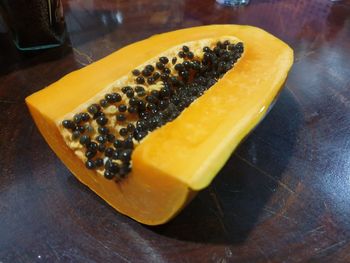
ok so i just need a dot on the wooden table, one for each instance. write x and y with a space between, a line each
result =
284 195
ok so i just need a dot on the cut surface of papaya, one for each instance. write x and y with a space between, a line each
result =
151 124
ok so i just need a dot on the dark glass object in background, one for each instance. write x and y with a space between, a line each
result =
35 24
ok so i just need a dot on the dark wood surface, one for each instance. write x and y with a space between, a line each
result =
284 195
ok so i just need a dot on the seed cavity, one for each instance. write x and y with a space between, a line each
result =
160 92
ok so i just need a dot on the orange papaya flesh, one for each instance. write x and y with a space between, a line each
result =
176 160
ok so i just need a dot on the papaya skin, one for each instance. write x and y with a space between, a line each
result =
190 150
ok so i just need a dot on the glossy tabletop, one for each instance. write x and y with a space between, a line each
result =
283 196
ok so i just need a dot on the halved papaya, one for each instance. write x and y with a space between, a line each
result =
200 91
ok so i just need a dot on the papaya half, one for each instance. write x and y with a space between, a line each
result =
150 125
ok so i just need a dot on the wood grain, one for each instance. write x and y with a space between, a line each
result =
284 195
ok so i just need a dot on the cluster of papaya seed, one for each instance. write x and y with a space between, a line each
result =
141 109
